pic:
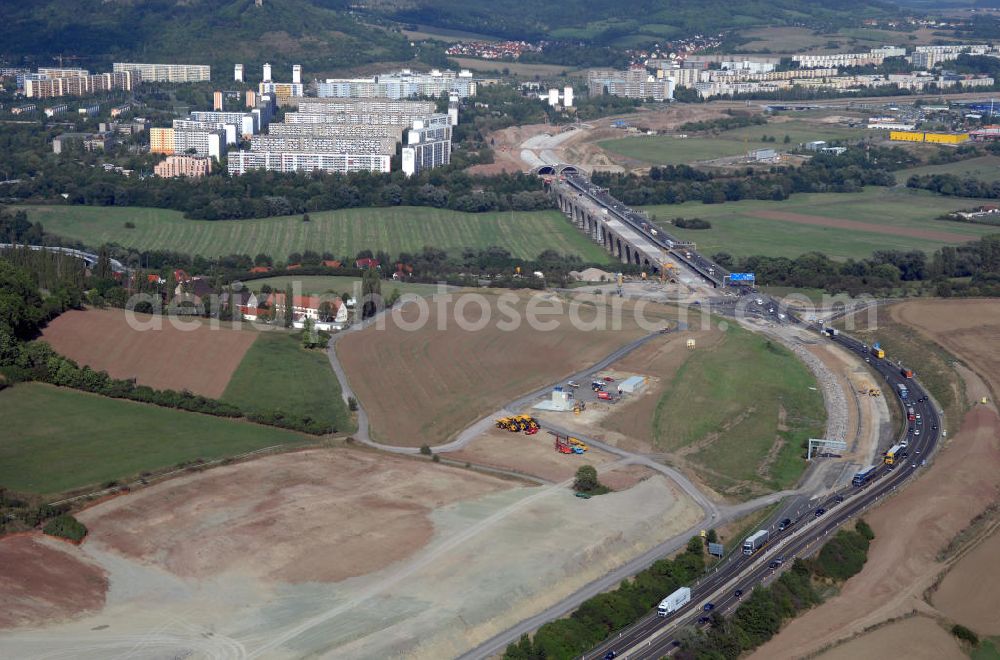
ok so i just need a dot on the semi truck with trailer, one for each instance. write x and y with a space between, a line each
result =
894 454
674 601
833 332
755 542
864 475
903 391
877 351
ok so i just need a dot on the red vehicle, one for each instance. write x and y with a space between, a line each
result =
609 379
907 373
531 431
605 396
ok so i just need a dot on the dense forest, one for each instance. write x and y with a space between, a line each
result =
635 21
319 34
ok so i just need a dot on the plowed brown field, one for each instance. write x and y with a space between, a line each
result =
201 360
422 386
43 580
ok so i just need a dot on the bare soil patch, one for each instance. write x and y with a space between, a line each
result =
422 386
915 638
969 329
43 580
310 516
626 476
201 360
854 225
968 593
528 454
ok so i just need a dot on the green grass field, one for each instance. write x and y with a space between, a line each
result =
278 374
669 150
988 649
344 232
724 406
984 168
319 284
56 440
736 231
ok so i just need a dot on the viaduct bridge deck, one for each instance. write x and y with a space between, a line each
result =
628 234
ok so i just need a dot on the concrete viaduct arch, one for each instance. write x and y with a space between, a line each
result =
592 225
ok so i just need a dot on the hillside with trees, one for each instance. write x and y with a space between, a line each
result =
625 22
318 34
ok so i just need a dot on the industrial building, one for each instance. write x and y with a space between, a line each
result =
174 73
633 83
401 85
922 136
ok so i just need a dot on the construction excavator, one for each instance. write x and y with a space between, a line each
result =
518 424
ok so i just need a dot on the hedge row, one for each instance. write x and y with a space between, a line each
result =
37 361
597 618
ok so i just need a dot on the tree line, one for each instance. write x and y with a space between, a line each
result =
757 619
847 172
761 615
969 270
951 185
24 312
262 193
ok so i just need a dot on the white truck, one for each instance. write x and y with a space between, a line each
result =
755 542
674 601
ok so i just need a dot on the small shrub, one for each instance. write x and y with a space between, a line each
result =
129 225
425 450
964 634
67 527
436 458
352 403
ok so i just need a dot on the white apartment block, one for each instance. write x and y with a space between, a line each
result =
177 73
247 123
200 143
327 106
838 60
241 162
633 83
339 130
319 144
230 130
402 85
956 49
428 144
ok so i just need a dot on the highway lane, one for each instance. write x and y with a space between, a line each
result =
654 636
